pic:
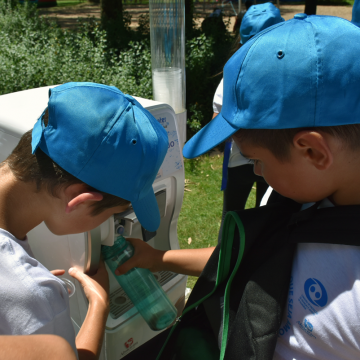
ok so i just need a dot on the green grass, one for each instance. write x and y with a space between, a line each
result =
63 3
67 3
200 215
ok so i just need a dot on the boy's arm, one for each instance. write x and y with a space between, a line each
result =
35 347
186 261
90 337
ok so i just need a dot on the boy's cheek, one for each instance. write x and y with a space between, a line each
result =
65 228
76 224
258 168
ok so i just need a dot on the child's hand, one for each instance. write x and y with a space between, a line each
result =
96 287
145 256
58 272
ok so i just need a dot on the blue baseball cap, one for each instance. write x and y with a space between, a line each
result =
258 18
107 140
303 72
356 13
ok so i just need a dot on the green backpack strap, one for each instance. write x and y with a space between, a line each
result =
231 221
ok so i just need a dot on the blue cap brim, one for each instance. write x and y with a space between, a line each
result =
213 134
147 211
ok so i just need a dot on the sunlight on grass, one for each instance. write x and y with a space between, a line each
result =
62 3
200 215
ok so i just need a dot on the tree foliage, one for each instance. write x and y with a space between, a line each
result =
35 52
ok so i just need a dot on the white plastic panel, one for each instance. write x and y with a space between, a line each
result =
173 160
7 144
20 110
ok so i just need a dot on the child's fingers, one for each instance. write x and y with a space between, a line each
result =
95 288
136 242
124 268
101 266
78 275
58 272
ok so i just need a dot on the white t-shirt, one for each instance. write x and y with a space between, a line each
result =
322 316
236 159
32 300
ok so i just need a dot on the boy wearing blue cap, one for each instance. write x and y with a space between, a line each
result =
92 152
295 112
258 18
289 272
356 13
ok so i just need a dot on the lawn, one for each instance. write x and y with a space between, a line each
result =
200 216
62 3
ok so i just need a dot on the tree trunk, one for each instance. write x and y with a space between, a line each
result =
189 16
310 7
111 9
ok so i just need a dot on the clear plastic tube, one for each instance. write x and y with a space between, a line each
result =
167 34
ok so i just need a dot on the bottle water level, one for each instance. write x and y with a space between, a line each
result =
160 321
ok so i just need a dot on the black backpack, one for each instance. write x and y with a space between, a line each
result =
251 271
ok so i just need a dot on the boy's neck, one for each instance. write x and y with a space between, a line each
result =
21 207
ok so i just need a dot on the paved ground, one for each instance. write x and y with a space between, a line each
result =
67 16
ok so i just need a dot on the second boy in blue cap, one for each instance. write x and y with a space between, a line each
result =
258 18
356 13
292 104
92 152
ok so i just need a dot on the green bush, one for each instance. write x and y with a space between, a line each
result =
205 59
35 52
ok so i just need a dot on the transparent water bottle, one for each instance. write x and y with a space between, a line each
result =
140 286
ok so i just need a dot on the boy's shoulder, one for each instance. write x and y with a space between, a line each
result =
31 297
283 222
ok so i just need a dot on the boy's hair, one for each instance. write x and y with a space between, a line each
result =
42 170
279 141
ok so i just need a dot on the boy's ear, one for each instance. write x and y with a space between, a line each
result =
78 194
315 148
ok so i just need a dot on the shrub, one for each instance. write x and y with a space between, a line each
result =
35 52
205 59
195 119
